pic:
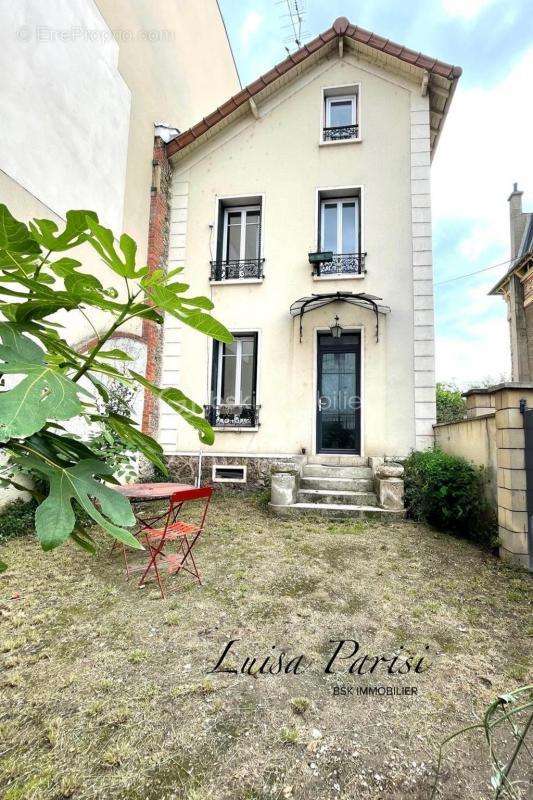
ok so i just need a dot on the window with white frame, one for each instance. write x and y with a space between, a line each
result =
238 242
339 234
341 114
241 235
339 225
234 382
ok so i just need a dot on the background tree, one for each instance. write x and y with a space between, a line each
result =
451 405
40 372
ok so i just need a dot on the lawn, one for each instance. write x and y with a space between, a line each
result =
107 690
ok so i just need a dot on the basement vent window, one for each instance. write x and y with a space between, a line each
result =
228 474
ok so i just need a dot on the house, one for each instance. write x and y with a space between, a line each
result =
302 207
516 287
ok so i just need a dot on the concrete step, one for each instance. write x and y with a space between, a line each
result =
338 461
320 471
342 497
338 484
338 510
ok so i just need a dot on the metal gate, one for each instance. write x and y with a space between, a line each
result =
527 414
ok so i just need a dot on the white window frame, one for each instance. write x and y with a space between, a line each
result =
341 98
243 211
238 367
350 91
338 201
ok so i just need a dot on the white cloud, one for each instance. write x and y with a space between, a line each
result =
479 351
250 26
485 146
465 9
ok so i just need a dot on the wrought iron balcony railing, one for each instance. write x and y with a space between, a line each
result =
341 132
229 416
341 264
245 269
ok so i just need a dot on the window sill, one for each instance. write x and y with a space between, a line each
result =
322 143
234 281
229 429
346 277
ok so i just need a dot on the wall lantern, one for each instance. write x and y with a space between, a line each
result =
336 329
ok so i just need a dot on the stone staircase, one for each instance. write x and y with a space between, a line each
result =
337 486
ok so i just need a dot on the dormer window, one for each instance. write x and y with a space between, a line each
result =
341 114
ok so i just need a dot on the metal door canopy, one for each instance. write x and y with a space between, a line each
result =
314 301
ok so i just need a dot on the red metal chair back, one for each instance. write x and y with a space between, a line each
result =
176 529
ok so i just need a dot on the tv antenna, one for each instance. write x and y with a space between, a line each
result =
293 15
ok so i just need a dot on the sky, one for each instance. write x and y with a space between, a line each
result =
486 145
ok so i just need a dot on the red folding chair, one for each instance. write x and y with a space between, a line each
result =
175 529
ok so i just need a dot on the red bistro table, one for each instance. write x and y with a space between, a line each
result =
141 493
148 492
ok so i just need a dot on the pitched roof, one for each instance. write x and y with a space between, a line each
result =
523 257
442 75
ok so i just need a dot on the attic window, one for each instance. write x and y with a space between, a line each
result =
228 473
341 114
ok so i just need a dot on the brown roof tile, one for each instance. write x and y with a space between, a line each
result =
341 27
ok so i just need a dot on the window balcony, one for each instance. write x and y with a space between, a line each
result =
340 264
340 133
232 417
246 269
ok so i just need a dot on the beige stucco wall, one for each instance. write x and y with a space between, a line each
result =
475 440
279 157
178 72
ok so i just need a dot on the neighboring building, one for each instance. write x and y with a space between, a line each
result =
84 83
87 83
302 207
516 286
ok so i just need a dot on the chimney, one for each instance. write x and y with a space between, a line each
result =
517 219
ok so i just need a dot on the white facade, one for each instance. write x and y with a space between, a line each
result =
275 155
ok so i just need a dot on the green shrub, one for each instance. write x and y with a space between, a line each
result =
449 493
16 519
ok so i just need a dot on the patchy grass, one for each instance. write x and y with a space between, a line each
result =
107 691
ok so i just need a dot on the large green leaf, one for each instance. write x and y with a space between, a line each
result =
103 241
55 518
75 231
183 405
45 393
136 439
165 298
14 235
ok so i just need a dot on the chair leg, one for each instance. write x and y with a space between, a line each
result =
154 553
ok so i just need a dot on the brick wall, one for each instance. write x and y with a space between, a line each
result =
158 231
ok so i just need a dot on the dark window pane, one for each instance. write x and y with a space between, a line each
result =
234 237
251 245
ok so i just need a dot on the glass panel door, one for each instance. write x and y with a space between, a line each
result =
338 394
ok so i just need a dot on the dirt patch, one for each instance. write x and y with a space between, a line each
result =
107 691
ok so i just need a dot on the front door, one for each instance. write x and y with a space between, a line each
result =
338 394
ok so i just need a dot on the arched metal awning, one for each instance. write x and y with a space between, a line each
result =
369 301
